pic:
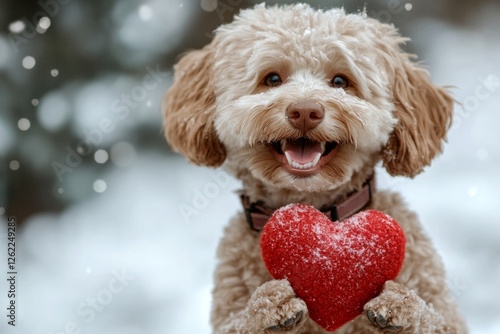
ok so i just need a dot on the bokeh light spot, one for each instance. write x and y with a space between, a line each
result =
24 124
29 62
54 111
101 156
14 165
44 23
17 27
99 186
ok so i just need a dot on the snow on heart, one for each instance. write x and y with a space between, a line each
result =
335 267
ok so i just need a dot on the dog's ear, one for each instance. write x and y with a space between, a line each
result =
424 113
189 108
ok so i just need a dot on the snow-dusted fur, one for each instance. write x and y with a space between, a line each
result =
220 112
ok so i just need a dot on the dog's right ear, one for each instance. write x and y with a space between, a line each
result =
189 108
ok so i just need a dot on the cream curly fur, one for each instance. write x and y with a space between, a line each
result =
219 112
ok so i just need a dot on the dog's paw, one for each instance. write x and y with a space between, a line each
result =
274 307
396 309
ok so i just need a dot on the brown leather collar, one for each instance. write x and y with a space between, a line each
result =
258 214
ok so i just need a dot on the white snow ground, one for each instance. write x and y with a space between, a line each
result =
127 262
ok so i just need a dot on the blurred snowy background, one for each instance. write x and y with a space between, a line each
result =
102 246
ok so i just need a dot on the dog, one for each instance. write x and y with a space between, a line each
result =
300 105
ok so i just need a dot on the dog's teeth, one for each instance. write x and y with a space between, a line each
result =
283 144
316 159
298 165
323 145
289 158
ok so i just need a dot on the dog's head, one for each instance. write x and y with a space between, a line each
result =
302 99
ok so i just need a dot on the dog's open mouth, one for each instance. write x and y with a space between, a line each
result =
302 157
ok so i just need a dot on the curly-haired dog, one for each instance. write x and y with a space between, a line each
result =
300 105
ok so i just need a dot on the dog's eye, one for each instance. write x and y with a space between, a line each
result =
272 80
339 81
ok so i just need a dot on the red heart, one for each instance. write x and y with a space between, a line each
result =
335 267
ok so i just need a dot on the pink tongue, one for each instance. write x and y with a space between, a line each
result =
302 150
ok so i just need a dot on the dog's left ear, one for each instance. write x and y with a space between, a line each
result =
424 113
189 108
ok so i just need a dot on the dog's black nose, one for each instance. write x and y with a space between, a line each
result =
305 115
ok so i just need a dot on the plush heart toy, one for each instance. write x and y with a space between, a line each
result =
335 267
